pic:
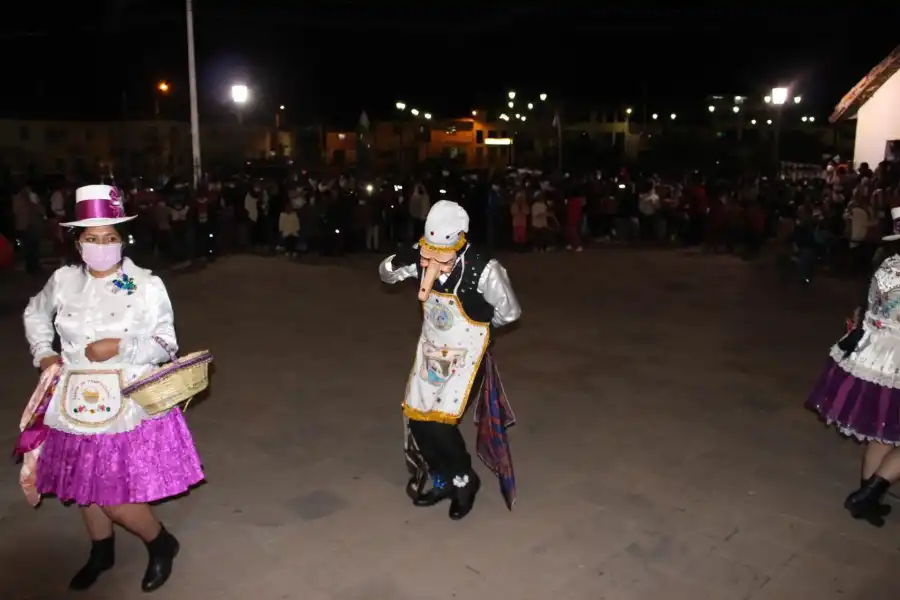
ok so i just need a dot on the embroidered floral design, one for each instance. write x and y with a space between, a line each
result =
125 283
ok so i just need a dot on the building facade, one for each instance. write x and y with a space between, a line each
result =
875 104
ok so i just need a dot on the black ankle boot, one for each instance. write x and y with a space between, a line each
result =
102 558
441 489
883 509
163 551
464 495
865 503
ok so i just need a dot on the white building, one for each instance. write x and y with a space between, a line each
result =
875 104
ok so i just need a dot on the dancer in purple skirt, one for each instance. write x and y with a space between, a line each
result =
859 391
100 449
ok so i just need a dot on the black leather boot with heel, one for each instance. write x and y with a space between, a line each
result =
102 558
865 503
162 550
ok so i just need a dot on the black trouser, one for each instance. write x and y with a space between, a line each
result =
442 445
443 448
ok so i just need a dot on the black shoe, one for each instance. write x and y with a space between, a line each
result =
163 551
865 503
102 558
464 497
882 509
440 491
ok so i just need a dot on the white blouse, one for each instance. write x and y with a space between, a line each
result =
83 309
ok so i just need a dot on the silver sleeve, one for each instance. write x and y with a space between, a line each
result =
497 290
389 274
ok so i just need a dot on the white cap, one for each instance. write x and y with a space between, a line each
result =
445 226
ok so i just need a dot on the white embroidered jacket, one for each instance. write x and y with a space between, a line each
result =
84 309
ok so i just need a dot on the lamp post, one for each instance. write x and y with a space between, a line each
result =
192 85
162 89
778 98
240 94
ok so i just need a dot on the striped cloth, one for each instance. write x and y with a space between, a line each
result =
493 417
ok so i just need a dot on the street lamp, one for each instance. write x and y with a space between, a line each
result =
735 109
510 104
753 121
627 111
427 115
672 116
530 106
512 95
804 119
414 112
712 108
523 118
504 117
797 99
163 86
543 97
812 119
240 94
779 96
281 107
401 106
654 116
474 113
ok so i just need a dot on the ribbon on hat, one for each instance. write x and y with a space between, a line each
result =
108 208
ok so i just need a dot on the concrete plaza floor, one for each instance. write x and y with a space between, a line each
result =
662 449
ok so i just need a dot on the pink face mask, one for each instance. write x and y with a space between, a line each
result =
101 257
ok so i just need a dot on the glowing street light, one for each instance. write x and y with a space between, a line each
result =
474 113
767 99
512 95
523 118
779 95
804 119
753 121
628 111
768 121
504 117
654 116
510 104
281 107
415 112
812 119
735 109
163 86
401 106
240 93
797 99
518 116
712 108
530 106
672 116
427 115
543 97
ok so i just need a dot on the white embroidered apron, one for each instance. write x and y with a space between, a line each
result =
89 401
447 359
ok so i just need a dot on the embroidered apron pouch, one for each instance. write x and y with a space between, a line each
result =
91 400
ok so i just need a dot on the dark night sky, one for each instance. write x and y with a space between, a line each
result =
335 58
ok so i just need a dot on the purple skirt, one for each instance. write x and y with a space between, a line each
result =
154 461
865 410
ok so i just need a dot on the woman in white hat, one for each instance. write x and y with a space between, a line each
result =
99 449
465 296
859 391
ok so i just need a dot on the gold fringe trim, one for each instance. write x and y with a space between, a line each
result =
459 245
432 416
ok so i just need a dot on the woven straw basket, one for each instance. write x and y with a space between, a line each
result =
170 385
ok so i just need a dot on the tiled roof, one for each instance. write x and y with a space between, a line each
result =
867 87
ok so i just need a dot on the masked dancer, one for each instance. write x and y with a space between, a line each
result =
465 295
99 449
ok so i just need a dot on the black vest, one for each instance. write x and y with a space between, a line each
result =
469 267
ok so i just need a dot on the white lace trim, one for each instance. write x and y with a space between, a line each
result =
876 359
888 274
850 432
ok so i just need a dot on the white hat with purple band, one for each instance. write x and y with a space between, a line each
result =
96 206
895 219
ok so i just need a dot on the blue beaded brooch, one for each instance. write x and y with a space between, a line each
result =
126 283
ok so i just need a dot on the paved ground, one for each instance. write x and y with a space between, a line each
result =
662 451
